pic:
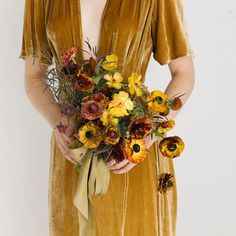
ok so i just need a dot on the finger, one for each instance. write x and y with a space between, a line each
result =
110 163
66 139
119 165
124 169
66 152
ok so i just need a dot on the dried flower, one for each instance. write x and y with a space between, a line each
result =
69 56
165 182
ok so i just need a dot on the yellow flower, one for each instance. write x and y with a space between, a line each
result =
171 146
114 81
135 150
134 84
108 118
111 62
120 103
166 126
157 101
90 135
111 135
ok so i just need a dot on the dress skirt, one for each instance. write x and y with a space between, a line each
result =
132 206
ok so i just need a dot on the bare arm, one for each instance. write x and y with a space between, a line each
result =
44 102
182 82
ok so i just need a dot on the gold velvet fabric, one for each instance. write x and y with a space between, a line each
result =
135 30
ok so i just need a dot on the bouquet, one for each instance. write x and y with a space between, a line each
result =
112 116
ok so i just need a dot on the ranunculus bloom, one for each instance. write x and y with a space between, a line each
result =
90 135
140 127
157 101
83 82
111 62
91 110
111 135
171 146
134 150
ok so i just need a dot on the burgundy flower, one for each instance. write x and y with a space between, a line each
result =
62 128
91 110
99 98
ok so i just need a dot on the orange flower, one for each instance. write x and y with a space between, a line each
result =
134 150
91 110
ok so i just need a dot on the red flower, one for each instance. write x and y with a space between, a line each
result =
69 55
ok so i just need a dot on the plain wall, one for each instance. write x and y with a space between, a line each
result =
206 170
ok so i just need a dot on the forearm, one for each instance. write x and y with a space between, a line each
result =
182 83
42 99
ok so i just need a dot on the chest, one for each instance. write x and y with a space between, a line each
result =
108 24
91 14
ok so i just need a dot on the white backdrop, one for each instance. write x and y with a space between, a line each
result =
206 170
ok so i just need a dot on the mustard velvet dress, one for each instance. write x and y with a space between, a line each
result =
135 30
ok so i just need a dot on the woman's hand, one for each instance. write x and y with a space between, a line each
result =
64 139
125 165
121 167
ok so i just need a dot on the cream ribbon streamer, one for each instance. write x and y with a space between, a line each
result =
94 177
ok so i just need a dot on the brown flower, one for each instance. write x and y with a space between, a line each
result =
83 82
91 110
176 104
165 182
99 98
111 135
140 127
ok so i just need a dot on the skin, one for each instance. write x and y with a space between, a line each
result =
182 82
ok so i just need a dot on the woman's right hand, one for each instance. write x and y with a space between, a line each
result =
64 139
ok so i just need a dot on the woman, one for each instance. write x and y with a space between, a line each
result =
134 30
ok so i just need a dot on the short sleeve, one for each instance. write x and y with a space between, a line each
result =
34 39
169 31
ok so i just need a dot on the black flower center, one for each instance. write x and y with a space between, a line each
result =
158 99
172 147
89 134
136 148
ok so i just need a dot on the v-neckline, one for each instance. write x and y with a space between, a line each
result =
81 26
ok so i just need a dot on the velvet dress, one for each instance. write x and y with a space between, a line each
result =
134 30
